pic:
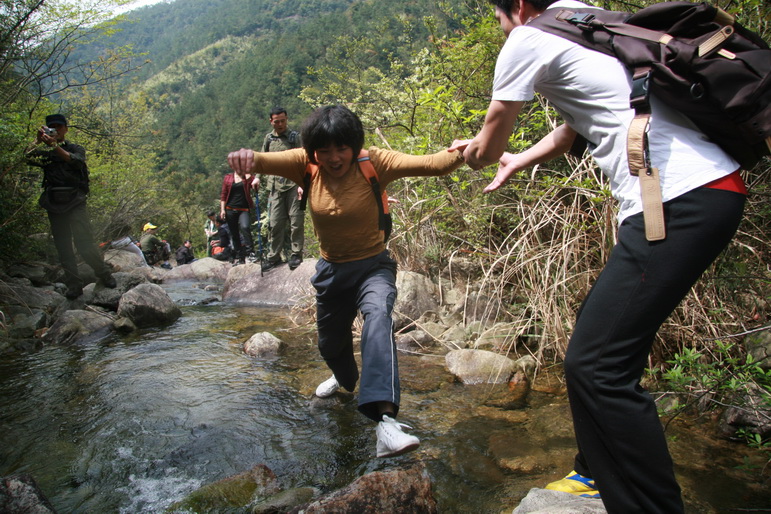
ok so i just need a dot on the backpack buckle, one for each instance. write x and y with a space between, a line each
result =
640 89
582 20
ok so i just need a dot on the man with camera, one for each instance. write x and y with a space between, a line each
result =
65 189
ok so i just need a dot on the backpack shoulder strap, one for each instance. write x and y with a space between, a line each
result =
381 197
311 170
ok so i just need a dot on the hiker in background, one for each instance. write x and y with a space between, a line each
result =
622 451
66 187
287 221
222 250
355 271
210 229
154 248
123 241
236 207
184 253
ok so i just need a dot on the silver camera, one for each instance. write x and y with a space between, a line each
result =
50 131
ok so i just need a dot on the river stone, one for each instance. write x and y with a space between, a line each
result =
201 270
285 500
546 501
479 366
148 305
123 260
109 298
749 410
280 286
393 491
20 493
27 324
229 494
38 273
78 326
19 292
263 344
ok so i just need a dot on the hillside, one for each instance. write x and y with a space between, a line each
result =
215 68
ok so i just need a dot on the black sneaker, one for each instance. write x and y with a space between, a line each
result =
271 264
294 261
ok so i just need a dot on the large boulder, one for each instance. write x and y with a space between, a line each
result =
123 260
201 270
79 326
393 491
280 286
148 305
109 298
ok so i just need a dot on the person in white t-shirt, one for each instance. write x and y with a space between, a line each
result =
623 456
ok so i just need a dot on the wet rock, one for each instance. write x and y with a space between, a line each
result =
25 325
78 326
148 305
19 292
124 326
285 500
394 491
109 298
20 493
263 344
543 501
234 492
479 367
38 273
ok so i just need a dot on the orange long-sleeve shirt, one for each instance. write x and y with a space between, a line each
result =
346 218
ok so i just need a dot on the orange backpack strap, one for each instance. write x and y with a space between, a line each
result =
381 197
369 172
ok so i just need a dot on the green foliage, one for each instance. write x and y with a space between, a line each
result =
716 377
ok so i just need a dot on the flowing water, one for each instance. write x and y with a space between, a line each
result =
133 423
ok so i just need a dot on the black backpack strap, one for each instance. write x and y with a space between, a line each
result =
306 186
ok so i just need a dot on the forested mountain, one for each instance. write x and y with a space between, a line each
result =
216 67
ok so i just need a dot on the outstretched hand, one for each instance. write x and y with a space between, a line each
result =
241 161
459 145
507 166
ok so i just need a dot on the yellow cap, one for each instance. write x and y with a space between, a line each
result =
148 226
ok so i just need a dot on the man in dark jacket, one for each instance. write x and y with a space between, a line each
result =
65 189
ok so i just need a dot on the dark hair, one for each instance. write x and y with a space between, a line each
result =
211 213
507 5
332 125
220 220
277 110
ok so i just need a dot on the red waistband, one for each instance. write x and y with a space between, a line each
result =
237 209
732 182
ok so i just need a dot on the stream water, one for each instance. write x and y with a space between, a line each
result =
134 423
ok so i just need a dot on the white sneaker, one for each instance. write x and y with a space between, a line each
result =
391 441
327 387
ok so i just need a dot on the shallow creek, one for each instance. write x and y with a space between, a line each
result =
132 424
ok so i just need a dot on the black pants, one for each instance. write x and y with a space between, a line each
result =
240 228
75 226
343 289
620 438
